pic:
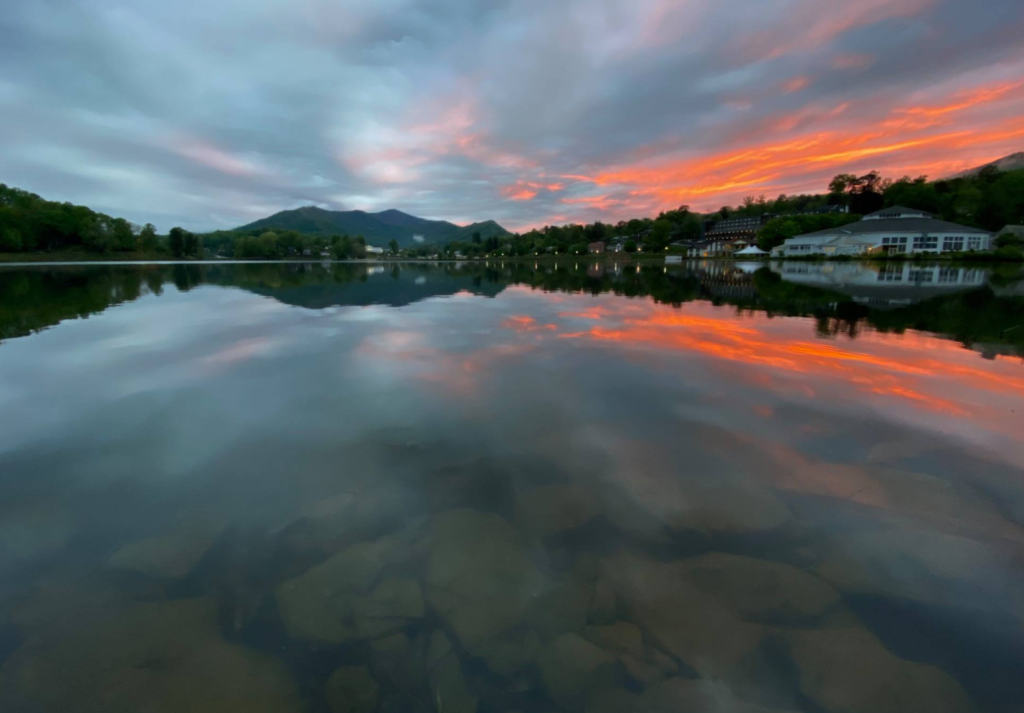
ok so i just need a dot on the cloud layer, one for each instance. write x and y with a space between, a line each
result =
212 115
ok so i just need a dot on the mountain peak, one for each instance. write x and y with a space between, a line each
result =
379 229
1013 162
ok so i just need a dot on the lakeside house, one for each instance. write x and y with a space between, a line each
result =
596 248
371 250
891 231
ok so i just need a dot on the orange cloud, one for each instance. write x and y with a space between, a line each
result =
518 193
966 100
528 190
797 84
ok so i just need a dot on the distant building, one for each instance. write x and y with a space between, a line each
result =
891 231
723 247
744 228
370 250
596 248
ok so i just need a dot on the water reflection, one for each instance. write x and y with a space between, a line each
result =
494 488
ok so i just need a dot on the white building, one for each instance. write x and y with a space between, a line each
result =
890 231
370 250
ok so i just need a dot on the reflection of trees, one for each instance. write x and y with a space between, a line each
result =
33 299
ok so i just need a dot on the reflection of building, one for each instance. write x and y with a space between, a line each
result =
891 231
888 284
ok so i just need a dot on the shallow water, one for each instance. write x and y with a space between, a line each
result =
508 487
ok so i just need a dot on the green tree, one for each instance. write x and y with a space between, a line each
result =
176 241
148 240
630 246
10 240
394 246
193 245
661 234
121 234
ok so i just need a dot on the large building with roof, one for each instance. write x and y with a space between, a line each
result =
891 231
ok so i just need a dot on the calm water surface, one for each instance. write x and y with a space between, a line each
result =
501 488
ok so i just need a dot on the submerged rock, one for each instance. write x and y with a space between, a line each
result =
850 670
351 689
509 652
756 588
571 668
679 694
602 604
642 674
560 609
927 566
156 657
389 607
479 577
325 603
615 700
168 556
623 637
552 509
447 683
726 504
679 618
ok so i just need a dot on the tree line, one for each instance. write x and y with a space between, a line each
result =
990 200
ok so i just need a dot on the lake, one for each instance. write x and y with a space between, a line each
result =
511 487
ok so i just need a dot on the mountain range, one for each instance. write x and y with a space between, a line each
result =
378 228
1013 162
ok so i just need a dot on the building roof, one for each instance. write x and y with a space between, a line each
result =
889 226
752 250
897 210
1017 230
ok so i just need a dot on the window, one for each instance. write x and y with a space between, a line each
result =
926 242
920 276
953 244
975 243
895 245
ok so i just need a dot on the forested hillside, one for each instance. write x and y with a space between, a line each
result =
378 229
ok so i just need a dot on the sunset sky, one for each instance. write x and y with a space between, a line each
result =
213 114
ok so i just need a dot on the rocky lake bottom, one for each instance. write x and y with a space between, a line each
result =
469 489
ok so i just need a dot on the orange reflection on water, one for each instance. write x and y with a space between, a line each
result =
767 353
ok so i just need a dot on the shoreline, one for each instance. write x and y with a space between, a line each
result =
66 259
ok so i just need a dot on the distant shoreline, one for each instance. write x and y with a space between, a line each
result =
76 258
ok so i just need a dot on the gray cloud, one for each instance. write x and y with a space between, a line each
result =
211 116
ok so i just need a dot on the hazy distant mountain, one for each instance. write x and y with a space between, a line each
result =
378 228
1013 162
